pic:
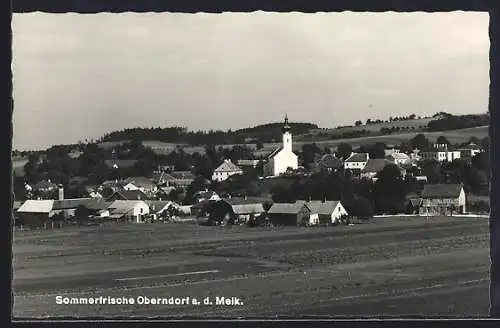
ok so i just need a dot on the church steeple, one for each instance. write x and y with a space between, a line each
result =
286 126
287 135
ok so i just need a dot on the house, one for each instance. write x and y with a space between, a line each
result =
44 186
158 177
289 213
248 163
245 209
93 192
127 195
413 203
128 210
67 207
440 153
161 208
324 212
390 151
329 163
75 153
225 170
98 208
140 183
470 151
356 162
283 158
374 166
113 185
443 199
34 212
178 179
206 195
120 163
399 158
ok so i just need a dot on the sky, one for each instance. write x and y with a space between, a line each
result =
78 76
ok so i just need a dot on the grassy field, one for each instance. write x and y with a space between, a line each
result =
417 124
455 136
402 266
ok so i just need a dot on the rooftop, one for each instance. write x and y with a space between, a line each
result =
286 208
375 165
228 166
358 157
441 190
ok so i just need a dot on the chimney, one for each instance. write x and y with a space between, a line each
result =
61 192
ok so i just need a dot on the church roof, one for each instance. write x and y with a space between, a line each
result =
274 152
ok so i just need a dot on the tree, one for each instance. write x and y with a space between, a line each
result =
442 140
389 190
198 184
281 194
419 142
362 208
344 150
82 213
259 145
358 123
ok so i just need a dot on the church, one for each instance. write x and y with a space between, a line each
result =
283 158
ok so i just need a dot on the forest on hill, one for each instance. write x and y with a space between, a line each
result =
260 133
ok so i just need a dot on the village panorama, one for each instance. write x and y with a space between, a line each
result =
288 218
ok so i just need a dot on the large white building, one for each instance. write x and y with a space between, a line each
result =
283 158
225 170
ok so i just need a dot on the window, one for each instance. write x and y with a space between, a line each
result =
141 210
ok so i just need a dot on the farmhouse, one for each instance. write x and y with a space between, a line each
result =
163 208
225 170
440 153
178 179
443 199
127 195
283 158
245 210
34 212
324 212
289 213
356 162
329 163
128 210
67 207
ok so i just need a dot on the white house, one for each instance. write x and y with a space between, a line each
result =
399 158
324 212
282 158
129 209
440 153
206 195
225 170
470 150
357 161
140 183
